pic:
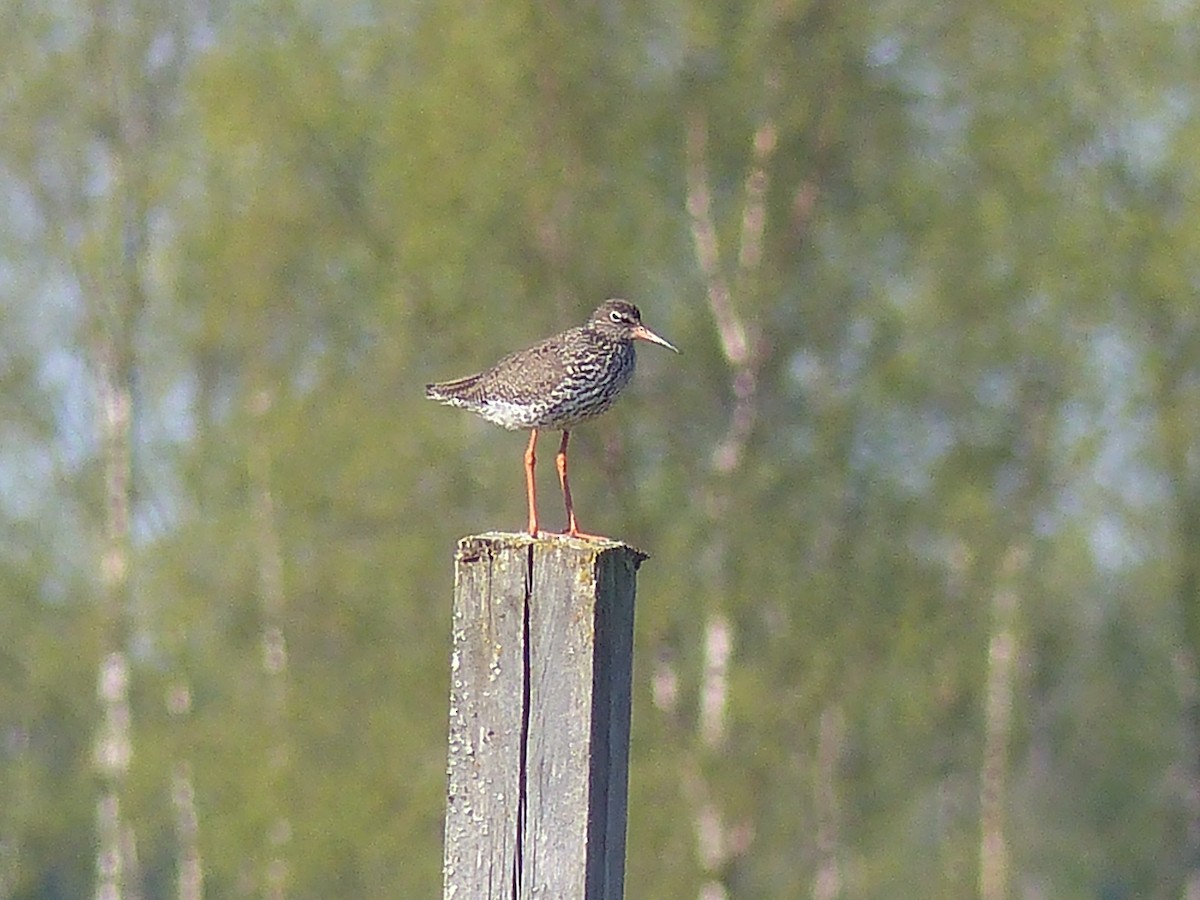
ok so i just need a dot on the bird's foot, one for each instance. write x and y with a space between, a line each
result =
568 532
583 535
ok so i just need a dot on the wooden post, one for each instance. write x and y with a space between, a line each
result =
539 718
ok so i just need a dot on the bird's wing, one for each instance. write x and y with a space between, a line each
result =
527 374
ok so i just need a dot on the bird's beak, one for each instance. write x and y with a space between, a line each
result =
642 333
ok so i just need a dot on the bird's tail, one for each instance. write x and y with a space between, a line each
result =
453 391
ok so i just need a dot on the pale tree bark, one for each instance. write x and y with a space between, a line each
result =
827 885
105 236
116 846
189 868
88 166
717 841
1030 457
274 652
997 725
115 285
114 282
730 289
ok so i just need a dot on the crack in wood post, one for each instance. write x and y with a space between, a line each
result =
523 772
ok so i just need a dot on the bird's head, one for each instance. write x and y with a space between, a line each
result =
622 319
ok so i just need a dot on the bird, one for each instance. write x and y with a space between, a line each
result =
556 384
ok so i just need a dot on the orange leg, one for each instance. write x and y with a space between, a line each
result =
560 462
530 489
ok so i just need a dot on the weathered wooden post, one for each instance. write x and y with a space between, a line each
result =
539 718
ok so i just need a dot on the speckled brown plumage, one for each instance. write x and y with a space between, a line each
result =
557 384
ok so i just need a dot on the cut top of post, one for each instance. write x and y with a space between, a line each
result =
497 540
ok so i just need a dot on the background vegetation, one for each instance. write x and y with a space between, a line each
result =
922 491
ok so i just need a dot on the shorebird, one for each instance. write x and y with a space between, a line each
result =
556 384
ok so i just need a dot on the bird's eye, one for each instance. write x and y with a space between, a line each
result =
616 316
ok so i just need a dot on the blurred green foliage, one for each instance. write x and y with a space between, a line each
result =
950 322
